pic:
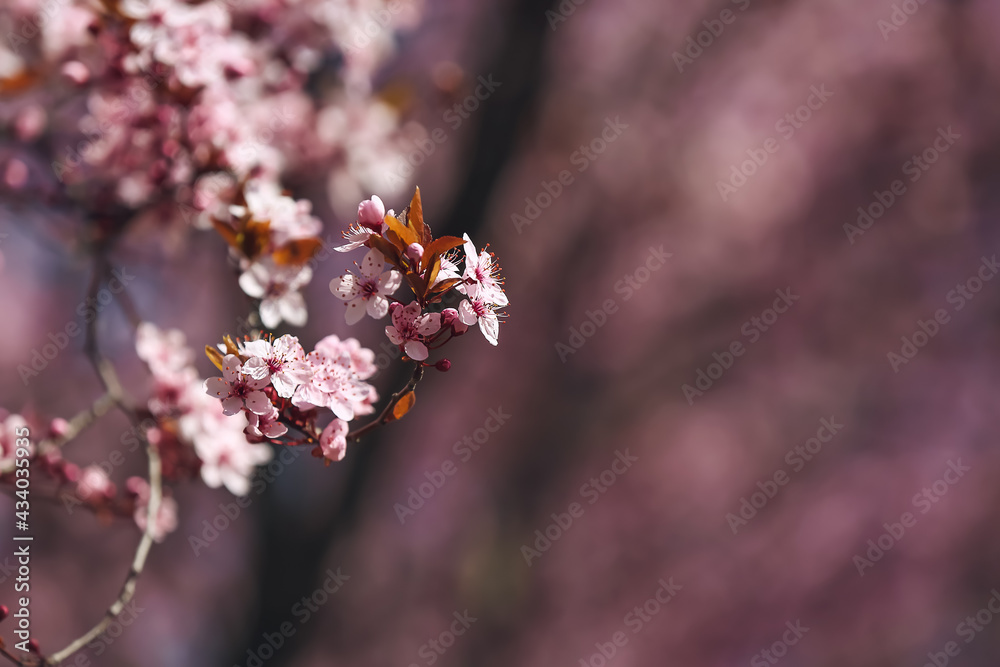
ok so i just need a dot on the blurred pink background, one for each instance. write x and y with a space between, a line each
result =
676 122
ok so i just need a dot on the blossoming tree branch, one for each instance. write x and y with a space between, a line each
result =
129 115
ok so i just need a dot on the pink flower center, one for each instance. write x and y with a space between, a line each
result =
369 289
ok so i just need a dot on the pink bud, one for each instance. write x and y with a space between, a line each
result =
415 251
30 122
16 174
76 72
4 611
450 318
34 647
58 427
444 365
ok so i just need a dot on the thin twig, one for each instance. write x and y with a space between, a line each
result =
109 378
386 414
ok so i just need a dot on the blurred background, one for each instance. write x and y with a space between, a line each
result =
717 383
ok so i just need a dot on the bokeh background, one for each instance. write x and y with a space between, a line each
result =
683 126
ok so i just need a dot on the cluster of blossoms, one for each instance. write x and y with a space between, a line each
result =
282 392
90 486
195 113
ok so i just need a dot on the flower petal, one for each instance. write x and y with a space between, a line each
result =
416 350
346 287
378 306
258 402
355 311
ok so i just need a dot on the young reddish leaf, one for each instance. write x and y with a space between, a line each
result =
404 405
417 284
214 356
388 250
440 246
297 252
446 285
415 219
231 347
226 231
405 234
435 267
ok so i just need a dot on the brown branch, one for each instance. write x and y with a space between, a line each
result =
109 378
386 415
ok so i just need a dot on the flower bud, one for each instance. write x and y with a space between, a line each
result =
450 318
34 647
58 427
443 365
4 612
415 251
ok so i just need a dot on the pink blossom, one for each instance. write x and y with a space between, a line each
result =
479 309
238 390
482 271
282 363
276 287
163 351
333 441
265 426
289 219
334 385
369 292
409 328
166 516
94 484
9 425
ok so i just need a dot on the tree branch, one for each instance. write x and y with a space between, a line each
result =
386 414
109 378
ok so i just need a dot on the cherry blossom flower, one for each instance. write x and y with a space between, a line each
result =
163 351
238 390
289 219
9 425
479 308
409 328
367 293
265 426
333 441
483 271
282 363
166 516
94 484
277 287
334 385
